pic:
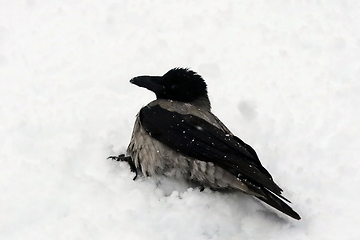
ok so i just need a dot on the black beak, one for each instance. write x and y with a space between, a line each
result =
153 83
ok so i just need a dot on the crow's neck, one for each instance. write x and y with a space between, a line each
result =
202 102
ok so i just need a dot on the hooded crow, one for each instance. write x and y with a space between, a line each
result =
178 136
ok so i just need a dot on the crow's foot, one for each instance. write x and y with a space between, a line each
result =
127 159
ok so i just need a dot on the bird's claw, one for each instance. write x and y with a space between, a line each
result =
121 157
127 159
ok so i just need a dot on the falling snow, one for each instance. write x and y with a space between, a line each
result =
282 75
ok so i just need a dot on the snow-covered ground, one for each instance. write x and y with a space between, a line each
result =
282 75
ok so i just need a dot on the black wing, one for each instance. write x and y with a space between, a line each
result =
195 137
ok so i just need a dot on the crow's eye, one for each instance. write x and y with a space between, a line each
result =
174 87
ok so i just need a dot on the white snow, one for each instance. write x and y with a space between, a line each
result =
282 75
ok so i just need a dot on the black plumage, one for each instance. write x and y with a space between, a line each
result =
176 135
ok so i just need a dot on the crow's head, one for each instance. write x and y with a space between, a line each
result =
178 84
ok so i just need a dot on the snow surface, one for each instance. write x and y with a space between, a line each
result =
282 75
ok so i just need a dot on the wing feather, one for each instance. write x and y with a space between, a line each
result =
197 138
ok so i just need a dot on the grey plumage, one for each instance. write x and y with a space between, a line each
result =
155 158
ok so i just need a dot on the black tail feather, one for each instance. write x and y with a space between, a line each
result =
277 203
